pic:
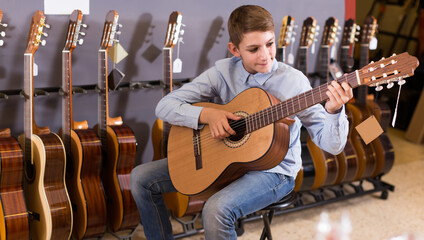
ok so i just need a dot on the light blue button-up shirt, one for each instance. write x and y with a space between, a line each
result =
228 78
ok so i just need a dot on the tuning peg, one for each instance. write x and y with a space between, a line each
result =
317 27
45 34
2 34
358 27
82 33
42 42
46 25
3 25
120 25
84 25
1 42
182 32
390 85
118 32
80 41
401 82
378 88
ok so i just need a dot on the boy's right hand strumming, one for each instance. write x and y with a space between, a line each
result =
218 122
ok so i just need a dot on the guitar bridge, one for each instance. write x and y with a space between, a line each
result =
197 149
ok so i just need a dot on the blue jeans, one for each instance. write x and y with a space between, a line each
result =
250 193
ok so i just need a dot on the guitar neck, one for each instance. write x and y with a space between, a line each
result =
293 105
283 54
167 70
344 58
28 105
324 62
103 114
67 99
303 60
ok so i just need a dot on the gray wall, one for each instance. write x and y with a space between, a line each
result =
143 33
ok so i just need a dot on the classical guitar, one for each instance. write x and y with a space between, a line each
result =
348 156
286 34
84 152
45 160
305 178
201 165
177 203
367 158
118 144
14 221
382 146
334 169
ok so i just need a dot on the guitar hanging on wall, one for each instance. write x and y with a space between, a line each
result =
45 160
83 148
284 39
118 144
14 221
201 165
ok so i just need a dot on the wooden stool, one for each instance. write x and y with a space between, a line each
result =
268 212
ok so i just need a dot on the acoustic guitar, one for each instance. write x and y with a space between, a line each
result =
45 160
334 169
179 204
118 144
84 152
348 156
382 145
14 221
367 158
201 165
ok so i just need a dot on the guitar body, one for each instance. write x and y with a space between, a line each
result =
120 156
259 150
45 192
14 221
179 204
84 185
367 158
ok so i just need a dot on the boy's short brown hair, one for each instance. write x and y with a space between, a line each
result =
248 18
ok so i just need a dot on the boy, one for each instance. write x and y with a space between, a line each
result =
252 42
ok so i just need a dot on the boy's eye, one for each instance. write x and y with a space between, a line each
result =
252 50
270 44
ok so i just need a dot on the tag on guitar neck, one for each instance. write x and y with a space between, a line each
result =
369 129
177 66
373 43
117 53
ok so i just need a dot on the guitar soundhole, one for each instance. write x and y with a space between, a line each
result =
239 127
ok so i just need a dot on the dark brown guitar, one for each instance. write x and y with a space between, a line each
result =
14 221
118 144
84 152
45 160
201 165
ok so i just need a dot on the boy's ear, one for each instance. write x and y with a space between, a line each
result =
233 49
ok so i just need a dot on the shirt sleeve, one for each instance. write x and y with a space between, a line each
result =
176 108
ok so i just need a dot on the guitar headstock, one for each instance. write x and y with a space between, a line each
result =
350 31
309 32
368 30
330 31
389 70
36 31
74 27
286 32
173 30
109 30
2 25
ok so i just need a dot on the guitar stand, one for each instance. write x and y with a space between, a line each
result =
125 237
189 228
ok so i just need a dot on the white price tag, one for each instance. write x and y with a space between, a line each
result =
177 66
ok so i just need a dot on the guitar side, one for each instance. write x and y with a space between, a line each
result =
47 193
120 156
14 221
84 185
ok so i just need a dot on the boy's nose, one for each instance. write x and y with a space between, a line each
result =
264 53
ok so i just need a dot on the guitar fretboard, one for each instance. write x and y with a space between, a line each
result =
362 92
303 60
28 105
67 100
324 62
103 97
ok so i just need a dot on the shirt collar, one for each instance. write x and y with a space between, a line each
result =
260 78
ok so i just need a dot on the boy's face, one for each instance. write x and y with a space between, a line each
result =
257 51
